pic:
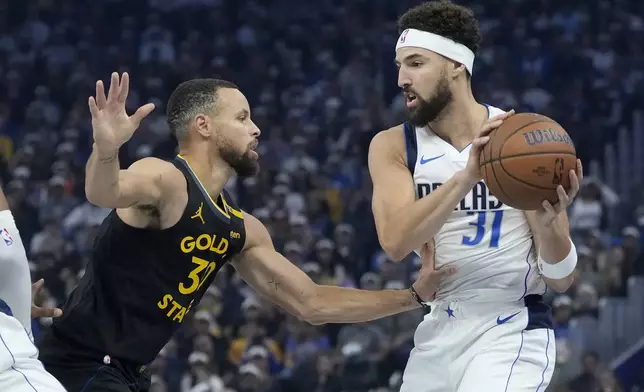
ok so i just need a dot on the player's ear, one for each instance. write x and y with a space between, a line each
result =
203 125
458 69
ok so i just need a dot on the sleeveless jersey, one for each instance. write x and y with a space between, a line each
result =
142 283
489 243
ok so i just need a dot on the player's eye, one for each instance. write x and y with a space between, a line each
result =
416 64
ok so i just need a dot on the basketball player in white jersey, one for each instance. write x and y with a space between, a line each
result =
20 369
487 328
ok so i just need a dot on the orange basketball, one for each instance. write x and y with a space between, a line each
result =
527 157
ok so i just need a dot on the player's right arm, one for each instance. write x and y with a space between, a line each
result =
402 222
106 185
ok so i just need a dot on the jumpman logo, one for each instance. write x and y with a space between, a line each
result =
198 214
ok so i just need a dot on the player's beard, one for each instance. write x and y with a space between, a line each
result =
243 164
427 110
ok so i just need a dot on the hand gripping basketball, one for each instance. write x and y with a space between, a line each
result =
429 278
472 169
111 125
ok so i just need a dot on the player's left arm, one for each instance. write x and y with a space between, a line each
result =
276 278
551 231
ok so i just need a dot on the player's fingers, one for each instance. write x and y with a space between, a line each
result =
38 312
101 100
446 272
142 113
564 200
580 170
428 259
489 126
93 109
37 286
125 87
574 185
548 207
501 116
112 94
477 146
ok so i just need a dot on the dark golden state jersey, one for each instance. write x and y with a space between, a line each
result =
142 283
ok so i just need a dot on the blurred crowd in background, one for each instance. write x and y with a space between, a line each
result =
321 81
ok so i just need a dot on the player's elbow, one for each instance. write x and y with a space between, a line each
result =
99 199
311 308
394 247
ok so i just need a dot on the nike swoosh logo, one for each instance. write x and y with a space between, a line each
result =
500 320
424 161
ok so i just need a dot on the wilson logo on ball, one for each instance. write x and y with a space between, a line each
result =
546 135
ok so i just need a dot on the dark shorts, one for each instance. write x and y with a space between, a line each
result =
80 371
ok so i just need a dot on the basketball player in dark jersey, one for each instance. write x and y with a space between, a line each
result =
172 228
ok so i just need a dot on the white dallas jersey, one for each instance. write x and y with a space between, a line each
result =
488 242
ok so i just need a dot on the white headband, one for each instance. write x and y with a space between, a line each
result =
438 44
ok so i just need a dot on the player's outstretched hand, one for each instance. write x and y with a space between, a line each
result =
37 311
111 125
472 169
548 213
429 278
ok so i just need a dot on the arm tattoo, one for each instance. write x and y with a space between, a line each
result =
274 283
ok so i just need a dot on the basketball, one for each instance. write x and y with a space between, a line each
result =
527 157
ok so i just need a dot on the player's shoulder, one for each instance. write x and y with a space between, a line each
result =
161 170
390 140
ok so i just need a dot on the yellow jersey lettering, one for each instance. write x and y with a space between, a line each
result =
235 235
221 248
205 242
187 244
177 312
175 306
165 301
180 314
195 279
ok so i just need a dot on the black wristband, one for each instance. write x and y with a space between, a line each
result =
422 303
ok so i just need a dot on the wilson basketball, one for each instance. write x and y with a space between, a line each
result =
527 157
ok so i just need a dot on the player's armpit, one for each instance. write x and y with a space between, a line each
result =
276 278
143 183
553 244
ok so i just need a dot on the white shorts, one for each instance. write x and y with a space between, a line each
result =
467 347
20 369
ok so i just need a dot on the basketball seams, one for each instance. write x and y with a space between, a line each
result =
529 154
525 182
494 172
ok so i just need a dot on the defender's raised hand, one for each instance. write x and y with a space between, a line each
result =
111 125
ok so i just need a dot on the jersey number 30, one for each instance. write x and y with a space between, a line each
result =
480 225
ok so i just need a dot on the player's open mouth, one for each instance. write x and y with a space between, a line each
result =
410 99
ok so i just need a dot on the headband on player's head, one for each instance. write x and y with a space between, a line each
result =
438 44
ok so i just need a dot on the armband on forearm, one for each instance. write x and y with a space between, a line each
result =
561 269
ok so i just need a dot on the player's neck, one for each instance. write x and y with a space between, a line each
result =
460 121
212 171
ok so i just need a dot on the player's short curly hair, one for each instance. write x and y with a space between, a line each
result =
191 98
444 18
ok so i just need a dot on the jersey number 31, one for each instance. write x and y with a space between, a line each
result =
480 225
